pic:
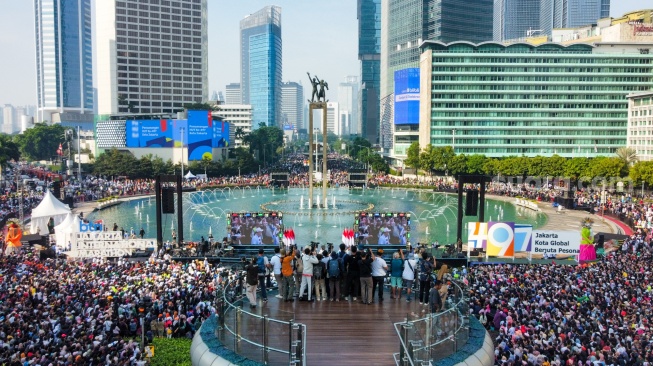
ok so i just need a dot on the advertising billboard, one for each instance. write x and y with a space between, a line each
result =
200 134
406 105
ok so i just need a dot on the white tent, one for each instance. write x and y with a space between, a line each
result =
50 207
190 175
59 230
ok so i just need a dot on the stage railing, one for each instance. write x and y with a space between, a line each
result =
260 338
427 338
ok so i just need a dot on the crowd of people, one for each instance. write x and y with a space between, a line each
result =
84 313
590 314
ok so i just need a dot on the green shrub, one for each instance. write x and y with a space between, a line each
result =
171 352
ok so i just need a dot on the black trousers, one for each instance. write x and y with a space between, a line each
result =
377 281
352 284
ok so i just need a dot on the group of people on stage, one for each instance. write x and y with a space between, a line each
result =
346 274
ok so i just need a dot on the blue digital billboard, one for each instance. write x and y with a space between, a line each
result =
200 134
406 107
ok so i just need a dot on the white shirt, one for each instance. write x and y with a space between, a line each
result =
384 239
276 264
379 267
257 240
409 274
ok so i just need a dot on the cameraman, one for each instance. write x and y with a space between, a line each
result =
287 272
308 260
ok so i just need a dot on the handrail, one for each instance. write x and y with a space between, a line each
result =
298 340
408 347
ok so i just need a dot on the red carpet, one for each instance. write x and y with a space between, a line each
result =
625 228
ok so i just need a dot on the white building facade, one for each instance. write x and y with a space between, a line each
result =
640 124
348 106
238 116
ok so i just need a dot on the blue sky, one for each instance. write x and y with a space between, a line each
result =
318 36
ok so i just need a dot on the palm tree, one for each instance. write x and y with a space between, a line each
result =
628 155
239 133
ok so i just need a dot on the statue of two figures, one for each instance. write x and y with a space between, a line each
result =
319 93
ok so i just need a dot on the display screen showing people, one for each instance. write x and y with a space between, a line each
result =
383 228
255 228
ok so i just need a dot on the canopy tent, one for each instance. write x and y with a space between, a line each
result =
190 175
50 207
59 229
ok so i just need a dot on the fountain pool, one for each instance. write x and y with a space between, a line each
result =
433 214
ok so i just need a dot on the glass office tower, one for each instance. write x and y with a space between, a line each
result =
519 99
369 54
571 13
64 72
513 19
260 65
406 24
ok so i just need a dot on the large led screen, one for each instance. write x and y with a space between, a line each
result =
199 132
406 108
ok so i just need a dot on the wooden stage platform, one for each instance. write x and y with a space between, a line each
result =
338 333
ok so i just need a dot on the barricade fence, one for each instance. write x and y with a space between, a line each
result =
260 338
427 338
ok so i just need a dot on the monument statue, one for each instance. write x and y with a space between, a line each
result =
315 81
322 94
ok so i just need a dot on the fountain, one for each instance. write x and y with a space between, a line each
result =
427 208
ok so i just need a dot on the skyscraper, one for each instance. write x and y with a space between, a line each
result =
64 76
260 65
571 13
233 95
292 104
405 25
369 54
348 106
150 58
515 18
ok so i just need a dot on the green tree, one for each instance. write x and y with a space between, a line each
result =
9 150
358 144
115 163
575 168
628 155
458 165
642 171
428 159
475 164
197 107
412 155
605 167
40 142
491 167
265 140
239 133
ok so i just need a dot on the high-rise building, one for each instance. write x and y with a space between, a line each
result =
8 119
522 99
150 57
232 94
292 105
348 106
64 57
369 54
514 19
260 65
239 117
332 120
571 13
405 25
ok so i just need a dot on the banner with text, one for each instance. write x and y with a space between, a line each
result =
556 242
500 239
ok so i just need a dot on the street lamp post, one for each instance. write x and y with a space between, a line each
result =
643 182
453 140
